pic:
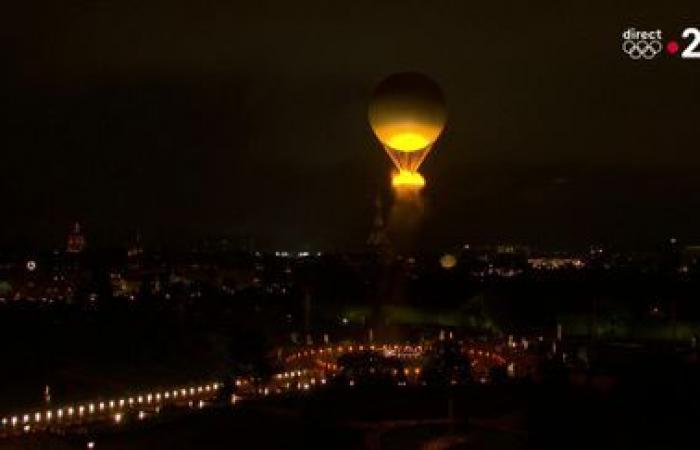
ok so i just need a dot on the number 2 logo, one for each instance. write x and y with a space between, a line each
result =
691 51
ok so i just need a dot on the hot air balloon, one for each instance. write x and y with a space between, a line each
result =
407 114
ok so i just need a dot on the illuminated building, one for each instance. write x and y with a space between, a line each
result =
555 262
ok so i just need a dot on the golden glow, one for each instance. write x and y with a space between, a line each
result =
407 179
448 261
407 114
407 142
406 135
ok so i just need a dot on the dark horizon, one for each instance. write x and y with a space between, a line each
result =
188 122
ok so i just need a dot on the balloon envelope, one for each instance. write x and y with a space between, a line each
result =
407 112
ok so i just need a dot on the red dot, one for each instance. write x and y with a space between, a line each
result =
672 47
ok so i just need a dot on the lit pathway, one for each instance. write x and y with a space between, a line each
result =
305 369
112 410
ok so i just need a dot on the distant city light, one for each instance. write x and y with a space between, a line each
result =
448 261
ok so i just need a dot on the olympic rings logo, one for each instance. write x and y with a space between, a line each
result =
642 49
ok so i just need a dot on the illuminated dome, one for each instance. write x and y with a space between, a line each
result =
407 112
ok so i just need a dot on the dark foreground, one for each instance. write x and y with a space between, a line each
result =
649 413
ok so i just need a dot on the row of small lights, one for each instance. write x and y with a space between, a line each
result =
412 372
183 392
410 349
299 385
407 371
292 374
413 351
99 407
493 355
48 416
350 348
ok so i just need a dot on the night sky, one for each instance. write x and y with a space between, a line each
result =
249 119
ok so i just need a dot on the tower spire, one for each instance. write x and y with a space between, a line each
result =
75 242
377 236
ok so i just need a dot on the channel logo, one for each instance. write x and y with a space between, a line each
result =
642 44
648 44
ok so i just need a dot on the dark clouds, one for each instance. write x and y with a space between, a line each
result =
189 119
